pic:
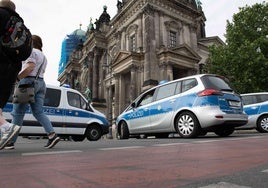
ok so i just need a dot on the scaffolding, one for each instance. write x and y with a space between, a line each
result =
69 44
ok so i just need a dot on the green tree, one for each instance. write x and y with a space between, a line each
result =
244 58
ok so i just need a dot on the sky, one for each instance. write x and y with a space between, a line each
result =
52 20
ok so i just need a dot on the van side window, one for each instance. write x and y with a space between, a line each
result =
249 99
76 100
52 97
166 91
188 84
178 88
146 98
263 98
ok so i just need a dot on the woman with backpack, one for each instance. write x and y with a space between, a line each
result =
9 69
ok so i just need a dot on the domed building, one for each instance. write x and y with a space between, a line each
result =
144 43
70 43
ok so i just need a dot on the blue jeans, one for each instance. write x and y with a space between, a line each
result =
18 111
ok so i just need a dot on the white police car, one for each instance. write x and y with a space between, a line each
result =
69 113
190 106
256 106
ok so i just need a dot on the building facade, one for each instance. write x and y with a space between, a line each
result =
145 42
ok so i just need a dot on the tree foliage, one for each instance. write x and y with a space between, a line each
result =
244 58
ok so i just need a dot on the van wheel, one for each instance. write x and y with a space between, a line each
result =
78 138
123 132
262 124
93 133
187 125
223 132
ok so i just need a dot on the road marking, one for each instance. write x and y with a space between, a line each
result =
227 139
122 148
50 152
265 171
169 144
206 141
224 185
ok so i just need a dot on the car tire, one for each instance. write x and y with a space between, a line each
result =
78 138
187 125
224 132
93 133
262 124
124 132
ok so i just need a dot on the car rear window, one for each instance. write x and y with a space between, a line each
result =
215 82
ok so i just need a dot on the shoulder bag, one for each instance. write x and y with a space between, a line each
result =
24 93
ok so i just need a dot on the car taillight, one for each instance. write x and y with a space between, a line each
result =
208 92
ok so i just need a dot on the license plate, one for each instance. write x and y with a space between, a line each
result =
235 103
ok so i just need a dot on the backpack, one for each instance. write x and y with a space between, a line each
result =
16 42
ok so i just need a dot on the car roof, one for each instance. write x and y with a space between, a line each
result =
61 88
184 78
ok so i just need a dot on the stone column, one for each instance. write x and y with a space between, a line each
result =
133 73
193 35
90 70
95 79
162 71
149 48
169 72
116 95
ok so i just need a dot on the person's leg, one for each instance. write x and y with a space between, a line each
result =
38 113
8 75
18 113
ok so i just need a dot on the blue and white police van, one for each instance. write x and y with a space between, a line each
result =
70 114
190 106
256 107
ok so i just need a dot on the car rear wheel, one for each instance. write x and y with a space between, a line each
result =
93 133
187 125
262 124
124 132
223 132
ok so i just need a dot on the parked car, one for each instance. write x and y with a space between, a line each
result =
256 106
70 113
190 106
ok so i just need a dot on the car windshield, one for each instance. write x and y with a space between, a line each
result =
215 82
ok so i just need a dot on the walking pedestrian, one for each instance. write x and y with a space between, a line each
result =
9 70
27 75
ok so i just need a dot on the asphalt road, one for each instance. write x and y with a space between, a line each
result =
238 161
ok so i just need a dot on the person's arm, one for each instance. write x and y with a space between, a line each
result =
27 69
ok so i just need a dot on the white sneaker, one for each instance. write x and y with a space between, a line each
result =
7 135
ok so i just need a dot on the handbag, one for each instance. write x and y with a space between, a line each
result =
24 93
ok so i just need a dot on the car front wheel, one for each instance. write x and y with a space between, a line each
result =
124 132
187 125
262 124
